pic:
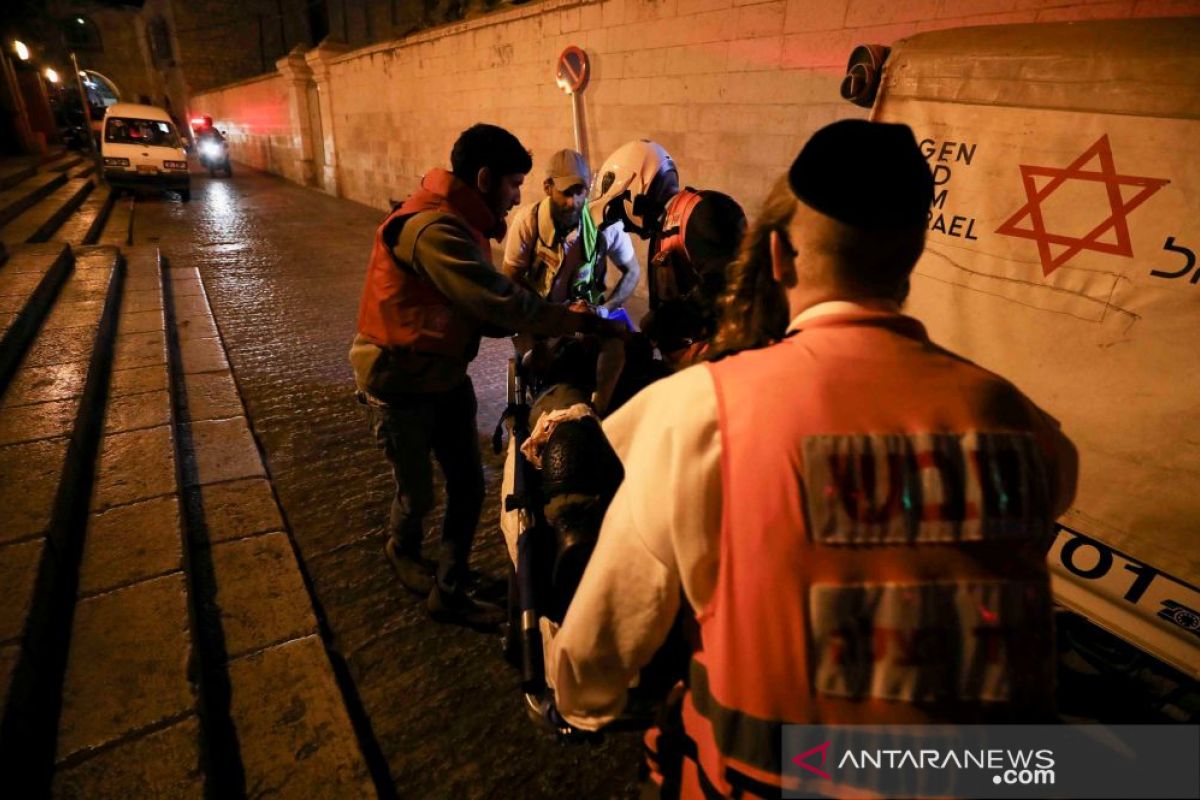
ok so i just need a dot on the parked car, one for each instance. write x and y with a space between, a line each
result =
142 148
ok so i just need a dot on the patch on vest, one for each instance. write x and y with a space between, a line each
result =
926 487
920 642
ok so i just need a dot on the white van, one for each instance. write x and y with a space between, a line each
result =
1061 253
141 147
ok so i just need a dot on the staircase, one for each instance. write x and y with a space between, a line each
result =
157 636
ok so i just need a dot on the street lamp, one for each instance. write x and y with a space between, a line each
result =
51 75
21 50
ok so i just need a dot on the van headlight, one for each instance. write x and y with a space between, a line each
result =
116 162
175 164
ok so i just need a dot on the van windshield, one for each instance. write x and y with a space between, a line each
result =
146 132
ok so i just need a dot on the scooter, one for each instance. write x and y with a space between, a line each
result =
214 154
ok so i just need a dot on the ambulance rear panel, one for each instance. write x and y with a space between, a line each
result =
1061 253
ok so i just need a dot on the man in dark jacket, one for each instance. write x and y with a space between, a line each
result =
431 292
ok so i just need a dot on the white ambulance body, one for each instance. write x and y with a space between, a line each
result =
1061 253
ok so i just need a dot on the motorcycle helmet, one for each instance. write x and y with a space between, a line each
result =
633 187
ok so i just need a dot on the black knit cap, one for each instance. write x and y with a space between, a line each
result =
869 175
714 230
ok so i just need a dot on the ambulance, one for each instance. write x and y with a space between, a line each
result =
1061 253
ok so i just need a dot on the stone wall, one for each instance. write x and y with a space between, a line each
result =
359 23
202 44
123 58
732 88
256 115
220 42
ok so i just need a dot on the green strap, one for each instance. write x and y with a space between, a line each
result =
585 286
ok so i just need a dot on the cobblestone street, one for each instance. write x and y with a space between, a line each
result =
283 267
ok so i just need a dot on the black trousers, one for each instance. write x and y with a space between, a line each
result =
411 430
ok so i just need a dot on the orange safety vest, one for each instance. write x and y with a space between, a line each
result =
402 308
886 514
671 272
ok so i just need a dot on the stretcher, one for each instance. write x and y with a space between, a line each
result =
553 500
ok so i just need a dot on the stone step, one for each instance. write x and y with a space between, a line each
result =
50 420
64 162
86 224
121 699
128 726
118 228
192 630
39 222
15 170
263 641
26 193
85 169
29 282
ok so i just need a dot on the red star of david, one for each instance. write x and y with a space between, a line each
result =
1119 208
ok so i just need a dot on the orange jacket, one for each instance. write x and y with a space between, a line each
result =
402 308
887 507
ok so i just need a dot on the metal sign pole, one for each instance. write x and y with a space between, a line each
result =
577 119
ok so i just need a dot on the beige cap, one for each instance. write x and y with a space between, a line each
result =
568 168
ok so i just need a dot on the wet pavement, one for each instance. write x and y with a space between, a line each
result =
283 267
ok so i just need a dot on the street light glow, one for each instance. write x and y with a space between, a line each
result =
22 50
51 75
80 20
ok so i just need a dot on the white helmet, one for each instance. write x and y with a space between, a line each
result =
633 187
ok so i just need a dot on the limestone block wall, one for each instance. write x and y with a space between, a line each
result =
124 57
706 78
219 42
256 115
732 88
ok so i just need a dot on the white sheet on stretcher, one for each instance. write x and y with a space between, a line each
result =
512 523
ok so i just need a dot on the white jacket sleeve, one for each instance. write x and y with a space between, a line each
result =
661 534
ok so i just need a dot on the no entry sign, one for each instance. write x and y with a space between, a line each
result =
571 70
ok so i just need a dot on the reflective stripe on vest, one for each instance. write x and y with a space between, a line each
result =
675 221
672 274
